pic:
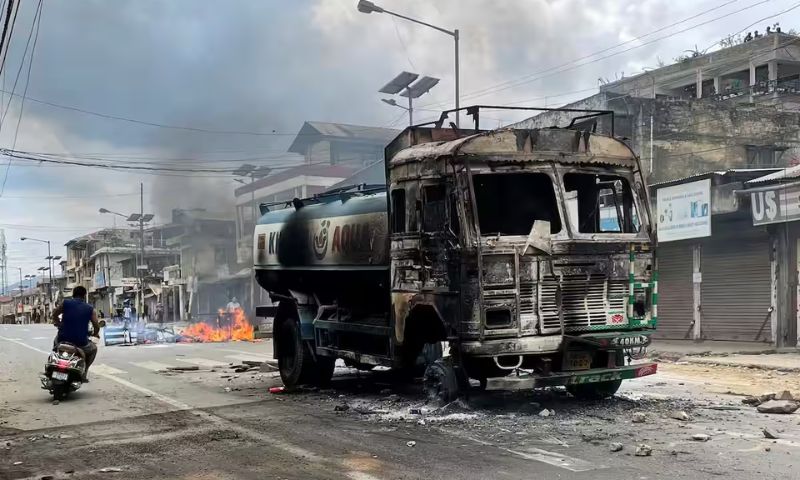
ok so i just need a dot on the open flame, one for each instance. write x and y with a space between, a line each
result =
238 329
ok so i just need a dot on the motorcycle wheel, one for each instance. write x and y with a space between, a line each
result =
60 391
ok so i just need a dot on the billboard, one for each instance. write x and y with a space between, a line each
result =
684 211
775 205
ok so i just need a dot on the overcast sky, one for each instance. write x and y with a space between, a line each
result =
268 65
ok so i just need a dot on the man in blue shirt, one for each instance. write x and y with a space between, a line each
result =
72 319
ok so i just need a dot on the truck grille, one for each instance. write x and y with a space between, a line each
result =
586 301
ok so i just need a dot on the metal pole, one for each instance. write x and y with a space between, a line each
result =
50 266
410 112
458 114
141 252
255 219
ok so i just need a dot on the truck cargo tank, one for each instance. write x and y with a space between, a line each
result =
334 244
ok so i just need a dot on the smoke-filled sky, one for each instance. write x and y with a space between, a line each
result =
268 65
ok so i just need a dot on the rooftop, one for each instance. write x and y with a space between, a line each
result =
312 132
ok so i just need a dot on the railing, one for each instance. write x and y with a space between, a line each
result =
761 88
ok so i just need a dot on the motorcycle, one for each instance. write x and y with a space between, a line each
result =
65 369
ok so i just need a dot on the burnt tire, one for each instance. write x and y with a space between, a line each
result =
323 371
440 382
295 363
594 391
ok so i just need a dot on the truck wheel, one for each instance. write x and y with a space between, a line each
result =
323 371
594 391
294 360
440 382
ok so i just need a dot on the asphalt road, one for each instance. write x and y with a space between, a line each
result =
140 422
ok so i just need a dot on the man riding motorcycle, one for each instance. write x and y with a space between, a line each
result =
72 319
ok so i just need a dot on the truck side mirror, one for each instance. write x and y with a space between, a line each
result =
539 238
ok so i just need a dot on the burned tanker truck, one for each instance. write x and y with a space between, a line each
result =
527 250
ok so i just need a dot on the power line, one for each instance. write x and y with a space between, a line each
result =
37 19
560 68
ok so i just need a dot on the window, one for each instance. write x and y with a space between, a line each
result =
600 203
763 156
509 203
398 210
434 215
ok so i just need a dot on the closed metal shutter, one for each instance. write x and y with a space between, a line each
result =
674 290
735 293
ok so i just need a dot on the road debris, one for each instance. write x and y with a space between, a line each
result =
769 433
227 389
341 408
110 470
17 463
615 447
701 437
276 389
638 417
751 400
784 395
643 450
187 368
411 443
778 406
679 415
547 413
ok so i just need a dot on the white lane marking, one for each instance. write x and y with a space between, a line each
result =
154 366
106 370
40 338
19 342
203 362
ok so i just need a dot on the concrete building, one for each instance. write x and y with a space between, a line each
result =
707 129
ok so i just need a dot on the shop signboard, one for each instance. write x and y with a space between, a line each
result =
776 204
684 211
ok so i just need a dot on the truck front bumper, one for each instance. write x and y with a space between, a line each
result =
596 375
544 344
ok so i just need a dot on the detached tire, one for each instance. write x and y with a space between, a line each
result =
440 382
594 391
295 363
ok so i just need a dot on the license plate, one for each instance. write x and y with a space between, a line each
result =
60 375
577 361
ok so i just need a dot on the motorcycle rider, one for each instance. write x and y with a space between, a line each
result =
72 319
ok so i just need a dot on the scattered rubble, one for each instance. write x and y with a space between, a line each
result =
110 470
188 368
679 415
769 434
778 406
643 450
547 413
341 408
701 437
616 447
638 417
784 395
411 443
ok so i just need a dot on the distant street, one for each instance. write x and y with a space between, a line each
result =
136 421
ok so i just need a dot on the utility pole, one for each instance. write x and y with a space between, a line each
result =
140 271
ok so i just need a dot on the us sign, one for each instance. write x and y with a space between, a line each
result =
775 205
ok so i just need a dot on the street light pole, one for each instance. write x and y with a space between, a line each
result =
49 264
141 248
365 6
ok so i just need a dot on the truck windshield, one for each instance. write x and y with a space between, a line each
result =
600 203
509 203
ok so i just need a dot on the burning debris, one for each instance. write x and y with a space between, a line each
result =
238 329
